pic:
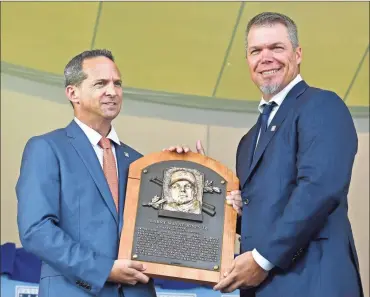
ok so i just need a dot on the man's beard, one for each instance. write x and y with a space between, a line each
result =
270 89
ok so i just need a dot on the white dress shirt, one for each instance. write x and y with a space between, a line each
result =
94 137
278 99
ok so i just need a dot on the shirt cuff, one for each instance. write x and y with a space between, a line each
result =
261 261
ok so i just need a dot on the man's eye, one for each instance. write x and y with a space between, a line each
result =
254 52
98 84
118 84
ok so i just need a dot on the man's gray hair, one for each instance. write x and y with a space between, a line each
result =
270 19
73 73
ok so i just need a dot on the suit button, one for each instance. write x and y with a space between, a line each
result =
246 201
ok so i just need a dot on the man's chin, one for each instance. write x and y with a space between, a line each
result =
270 89
111 116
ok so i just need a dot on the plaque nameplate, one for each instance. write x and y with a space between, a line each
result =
176 220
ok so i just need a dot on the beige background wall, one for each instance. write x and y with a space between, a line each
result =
24 115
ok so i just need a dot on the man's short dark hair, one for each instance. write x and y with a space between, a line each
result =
73 73
273 18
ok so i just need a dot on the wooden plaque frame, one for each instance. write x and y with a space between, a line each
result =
158 270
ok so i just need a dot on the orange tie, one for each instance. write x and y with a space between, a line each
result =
109 168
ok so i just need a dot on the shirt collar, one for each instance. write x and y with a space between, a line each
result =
279 97
93 136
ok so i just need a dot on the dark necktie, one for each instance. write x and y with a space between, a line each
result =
262 124
267 108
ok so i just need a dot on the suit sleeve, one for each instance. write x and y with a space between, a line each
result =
327 145
39 195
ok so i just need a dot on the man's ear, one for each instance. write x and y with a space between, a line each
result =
72 93
298 54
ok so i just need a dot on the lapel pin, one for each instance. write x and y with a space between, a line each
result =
273 128
126 154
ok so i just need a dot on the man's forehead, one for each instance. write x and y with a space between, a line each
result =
267 35
101 66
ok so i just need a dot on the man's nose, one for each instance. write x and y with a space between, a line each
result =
266 56
111 91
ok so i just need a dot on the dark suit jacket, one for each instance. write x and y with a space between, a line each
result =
295 197
67 217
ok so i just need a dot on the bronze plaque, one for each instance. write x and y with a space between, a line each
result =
176 216
180 215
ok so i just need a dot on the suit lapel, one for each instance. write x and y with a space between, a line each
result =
247 149
252 146
86 152
277 121
123 162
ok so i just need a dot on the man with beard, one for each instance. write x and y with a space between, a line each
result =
294 168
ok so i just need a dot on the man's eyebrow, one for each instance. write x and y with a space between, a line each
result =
253 48
269 46
275 44
99 80
104 80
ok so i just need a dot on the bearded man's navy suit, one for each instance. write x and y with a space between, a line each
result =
294 188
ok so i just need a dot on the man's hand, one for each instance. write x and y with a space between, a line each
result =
185 149
127 272
244 273
235 200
